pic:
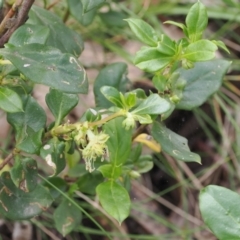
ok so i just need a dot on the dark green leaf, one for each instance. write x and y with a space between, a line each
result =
28 34
219 207
24 174
60 104
88 5
110 171
59 183
114 199
202 81
10 101
66 217
143 31
113 75
150 59
17 204
173 144
47 65
61 37
196 21
152 105
120 139
76 9
88 182
201 50
53 153
29 125
113 18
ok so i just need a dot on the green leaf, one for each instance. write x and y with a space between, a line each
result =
10 101
114 199
219 207
53 153
61 37
221 45
29 125
60 104
202 81
120 139
173 144
24 174
88 5
196 21
59 183
28 34
72 217
17 204
88 182
113 75
202 50
180 25
76 9
166 45
113 18
150 59
110 171
49 66
112 95
152 105
143 31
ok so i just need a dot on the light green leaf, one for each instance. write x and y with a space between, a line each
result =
10 101
120 139
28 34
110 171
17 204
196 21
113 75
152 105
60 36
173 144
112 95
150 59
49 66
221 45
143 31
202 50
201 82
114 199
29 125
60 104
72 217
166 45
219 207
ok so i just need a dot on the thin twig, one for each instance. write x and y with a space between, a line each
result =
6 161
18 13
45 230
167 204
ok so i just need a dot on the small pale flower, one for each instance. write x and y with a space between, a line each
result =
96 147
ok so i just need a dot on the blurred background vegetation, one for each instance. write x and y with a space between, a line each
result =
165 200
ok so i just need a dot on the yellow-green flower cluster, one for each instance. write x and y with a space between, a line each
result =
96 147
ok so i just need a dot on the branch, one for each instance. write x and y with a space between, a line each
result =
6 161
17 15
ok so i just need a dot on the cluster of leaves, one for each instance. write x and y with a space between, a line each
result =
45 51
